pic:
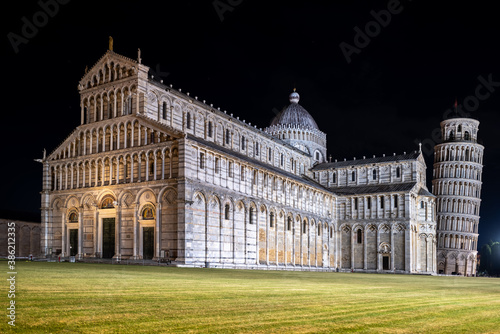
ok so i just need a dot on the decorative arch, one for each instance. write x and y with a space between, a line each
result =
148 212
72 215
107 202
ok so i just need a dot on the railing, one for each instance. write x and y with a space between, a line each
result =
461 139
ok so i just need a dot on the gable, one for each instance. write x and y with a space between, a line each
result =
72 146
109 68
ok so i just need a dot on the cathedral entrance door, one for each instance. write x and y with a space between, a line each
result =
147 242
385 262
73 242
108 237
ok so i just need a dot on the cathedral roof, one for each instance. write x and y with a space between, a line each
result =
294 114
390 158
373 189
257 162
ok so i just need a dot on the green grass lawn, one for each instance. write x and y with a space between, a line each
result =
101 298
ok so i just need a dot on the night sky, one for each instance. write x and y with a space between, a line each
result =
389 94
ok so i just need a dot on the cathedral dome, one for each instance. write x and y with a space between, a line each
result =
294 114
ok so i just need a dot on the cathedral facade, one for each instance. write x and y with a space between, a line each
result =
154 173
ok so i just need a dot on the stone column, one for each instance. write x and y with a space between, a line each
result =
158 232
118 231
351 236
136 234
301 227
163 165
365 249
392 247
114 104
139 135
338 252
379 255
267 241
408 249
80 233
121 104
63 235
155 172
293 242
102 109
82 110
65 177
96 233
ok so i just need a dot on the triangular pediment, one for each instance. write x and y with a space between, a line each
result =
68 148
109 68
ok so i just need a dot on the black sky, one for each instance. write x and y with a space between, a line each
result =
391 95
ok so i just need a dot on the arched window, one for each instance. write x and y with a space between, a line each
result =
188 120
319 230
459 128
164 110
369 203
382 202
289 224
256 148
355 203
271 219
359 236
452 135
421 204
210 129
110 110
334 177
128 106
97 114
243 142
398 171
228 136
202 160
466 135
304 227
226 212
374 174
251 215
353 176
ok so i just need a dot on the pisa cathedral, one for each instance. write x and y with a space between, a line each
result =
154 173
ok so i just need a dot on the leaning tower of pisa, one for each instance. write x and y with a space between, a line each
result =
458 164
